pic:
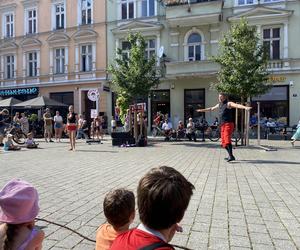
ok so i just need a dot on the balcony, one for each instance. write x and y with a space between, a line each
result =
189 69
183 13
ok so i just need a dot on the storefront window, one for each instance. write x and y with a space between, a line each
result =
63 97
193 99
160 102
274 104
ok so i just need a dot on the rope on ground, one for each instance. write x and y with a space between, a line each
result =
86 238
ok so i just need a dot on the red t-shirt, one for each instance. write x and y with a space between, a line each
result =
135 239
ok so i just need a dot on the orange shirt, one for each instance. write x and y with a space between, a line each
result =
106 235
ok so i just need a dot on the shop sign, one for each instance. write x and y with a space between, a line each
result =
274 79
94 113
138 107
93 95
19 92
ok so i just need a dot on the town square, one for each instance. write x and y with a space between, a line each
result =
149 124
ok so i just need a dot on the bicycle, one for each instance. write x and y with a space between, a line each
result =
214 134
157 131
18 136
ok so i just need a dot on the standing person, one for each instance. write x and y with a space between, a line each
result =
16 120
81 126
24 123
58 126
113 124
71 126
18 210
47 125
296 136
4 123
227 119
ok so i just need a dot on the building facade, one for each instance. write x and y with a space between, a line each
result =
55 48
185 35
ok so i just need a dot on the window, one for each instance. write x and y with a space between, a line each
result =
59 61
9 62
271 41
150 49
31 21
148 8
32 64
127 9
245 2
194 47
126 46
59 16
8 25
86 58
193 99
86 11
63 97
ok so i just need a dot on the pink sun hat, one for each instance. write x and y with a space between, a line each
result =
18 202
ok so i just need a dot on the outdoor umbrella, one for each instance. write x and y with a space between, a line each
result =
9 102
40 102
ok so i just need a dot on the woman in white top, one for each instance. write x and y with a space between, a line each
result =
296 136
24 123
58 126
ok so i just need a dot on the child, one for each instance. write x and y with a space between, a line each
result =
30 143
18 209
163 196
9 145
119 210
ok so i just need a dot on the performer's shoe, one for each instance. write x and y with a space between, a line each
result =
226 158
231 159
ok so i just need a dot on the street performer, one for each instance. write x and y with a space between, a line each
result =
227 118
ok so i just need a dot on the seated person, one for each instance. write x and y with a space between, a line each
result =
167 128
190 130
180 130
271 125
163 196
9 145
216 122
30 143
119 210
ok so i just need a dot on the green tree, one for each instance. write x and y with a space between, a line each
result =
243 62
133 75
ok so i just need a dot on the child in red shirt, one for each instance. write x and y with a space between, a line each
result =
119 209
163 196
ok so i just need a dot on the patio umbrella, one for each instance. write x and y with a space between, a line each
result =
9 102
40 102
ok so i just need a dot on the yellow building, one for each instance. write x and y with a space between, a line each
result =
55 48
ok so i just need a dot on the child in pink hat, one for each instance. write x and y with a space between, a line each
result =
18 209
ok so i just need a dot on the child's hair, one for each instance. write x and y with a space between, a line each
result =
10 233
163 196
30 134
118 206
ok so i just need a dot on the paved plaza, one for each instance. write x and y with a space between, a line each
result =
253 203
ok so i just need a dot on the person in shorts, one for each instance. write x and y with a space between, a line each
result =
47 125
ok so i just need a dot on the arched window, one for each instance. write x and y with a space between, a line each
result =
194 47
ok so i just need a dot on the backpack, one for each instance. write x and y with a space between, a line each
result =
156 245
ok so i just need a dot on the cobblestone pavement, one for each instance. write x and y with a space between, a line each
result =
253 203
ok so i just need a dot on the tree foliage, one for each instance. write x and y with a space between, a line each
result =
243 62
135 75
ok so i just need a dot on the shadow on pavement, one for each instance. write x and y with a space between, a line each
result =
270 162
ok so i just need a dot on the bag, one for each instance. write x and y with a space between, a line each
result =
156 245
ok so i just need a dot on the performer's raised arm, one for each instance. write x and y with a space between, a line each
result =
208 109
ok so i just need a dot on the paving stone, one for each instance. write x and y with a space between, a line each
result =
259 193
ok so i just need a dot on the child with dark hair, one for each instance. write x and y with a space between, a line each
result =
119 210
163 197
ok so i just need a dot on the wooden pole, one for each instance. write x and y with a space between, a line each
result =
135 124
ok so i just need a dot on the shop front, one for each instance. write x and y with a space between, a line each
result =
22 94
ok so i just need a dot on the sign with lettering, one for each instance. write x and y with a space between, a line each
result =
19 92
273 78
